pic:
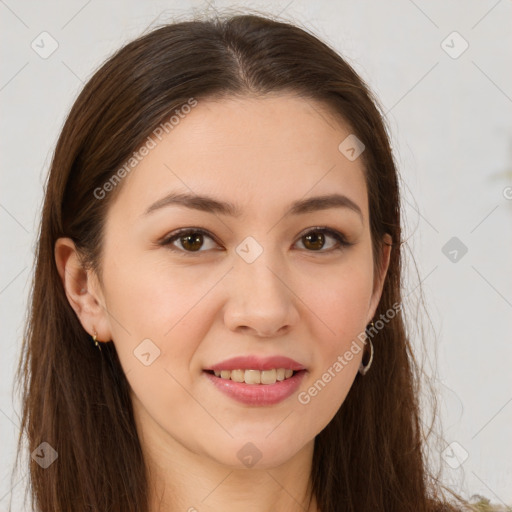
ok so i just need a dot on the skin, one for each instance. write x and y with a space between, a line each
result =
261 154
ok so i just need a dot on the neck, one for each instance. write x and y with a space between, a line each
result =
182 480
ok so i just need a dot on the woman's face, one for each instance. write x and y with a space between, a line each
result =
263 282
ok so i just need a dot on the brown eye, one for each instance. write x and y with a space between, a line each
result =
188 241
315 240
192 242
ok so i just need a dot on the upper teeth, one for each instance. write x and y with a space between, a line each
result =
255 376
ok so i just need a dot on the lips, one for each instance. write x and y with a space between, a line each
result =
264 385
257 363
257 394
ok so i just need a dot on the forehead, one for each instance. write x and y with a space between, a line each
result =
256 152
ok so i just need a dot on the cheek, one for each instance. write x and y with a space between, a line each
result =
340 308
340 301
157 325
152 300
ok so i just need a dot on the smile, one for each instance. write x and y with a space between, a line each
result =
255 376
254 393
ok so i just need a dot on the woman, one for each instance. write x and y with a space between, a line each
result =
216 318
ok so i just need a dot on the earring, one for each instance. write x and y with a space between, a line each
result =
363 369
95 340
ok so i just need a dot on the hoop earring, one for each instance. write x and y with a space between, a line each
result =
363 369
95 340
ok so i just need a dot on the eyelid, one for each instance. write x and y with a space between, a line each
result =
173 236
167 240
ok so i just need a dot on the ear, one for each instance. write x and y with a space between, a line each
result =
82 289
380 276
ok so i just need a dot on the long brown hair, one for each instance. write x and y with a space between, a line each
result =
370 457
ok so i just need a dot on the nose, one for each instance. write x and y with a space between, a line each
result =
261 301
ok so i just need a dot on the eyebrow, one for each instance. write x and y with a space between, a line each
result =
212 205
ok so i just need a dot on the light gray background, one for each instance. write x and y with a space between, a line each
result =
451 126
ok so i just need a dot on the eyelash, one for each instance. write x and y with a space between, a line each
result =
176 235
